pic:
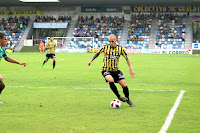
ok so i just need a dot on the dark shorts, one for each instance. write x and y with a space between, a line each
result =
117 75
50 56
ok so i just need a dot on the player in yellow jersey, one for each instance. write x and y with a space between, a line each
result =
3 43
110 69
51 46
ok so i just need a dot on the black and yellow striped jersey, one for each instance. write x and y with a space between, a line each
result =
111 57
52 49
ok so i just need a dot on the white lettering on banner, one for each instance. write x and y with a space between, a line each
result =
155 51
151 51
70 50
178 51
111 9
50 25
139 51
159 51
91 9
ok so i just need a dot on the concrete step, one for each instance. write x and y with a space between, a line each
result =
153 33
24 36
124 33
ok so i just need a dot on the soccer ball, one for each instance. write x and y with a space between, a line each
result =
115 104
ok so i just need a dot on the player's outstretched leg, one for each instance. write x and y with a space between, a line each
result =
114 89
54 64
44 63
110 79
2 86
126 92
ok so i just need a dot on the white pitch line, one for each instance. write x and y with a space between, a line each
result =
86 88
171 113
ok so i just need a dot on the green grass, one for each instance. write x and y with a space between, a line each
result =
74 108
30 49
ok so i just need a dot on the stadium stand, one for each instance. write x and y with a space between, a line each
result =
53 19
139 31
171 31
14 28
99 28
196 27
43 33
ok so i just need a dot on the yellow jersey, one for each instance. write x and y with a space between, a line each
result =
52 49
111 57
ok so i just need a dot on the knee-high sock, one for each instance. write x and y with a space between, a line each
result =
126 92
1 89
44 62
54 63
114 89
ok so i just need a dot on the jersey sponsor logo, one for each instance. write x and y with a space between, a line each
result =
112 56
107 56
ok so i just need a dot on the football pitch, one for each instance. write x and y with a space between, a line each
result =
74 97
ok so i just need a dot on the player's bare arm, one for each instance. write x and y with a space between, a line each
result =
14 61
94 57
130 67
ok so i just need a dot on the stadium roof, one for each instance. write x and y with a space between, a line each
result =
105 3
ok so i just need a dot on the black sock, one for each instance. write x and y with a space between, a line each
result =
126 92
1 90
44 62
54 63
114 89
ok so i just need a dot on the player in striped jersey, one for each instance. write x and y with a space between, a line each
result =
110 69
51 46
3 43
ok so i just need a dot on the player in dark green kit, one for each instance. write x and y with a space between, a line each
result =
3 43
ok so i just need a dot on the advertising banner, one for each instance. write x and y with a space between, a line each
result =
28 42
101 9
95 50
159 51
70 50
43 25
21 13
166 9
138 51
176 51
196 46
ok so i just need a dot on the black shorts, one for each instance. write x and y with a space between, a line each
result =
117 75
50 56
